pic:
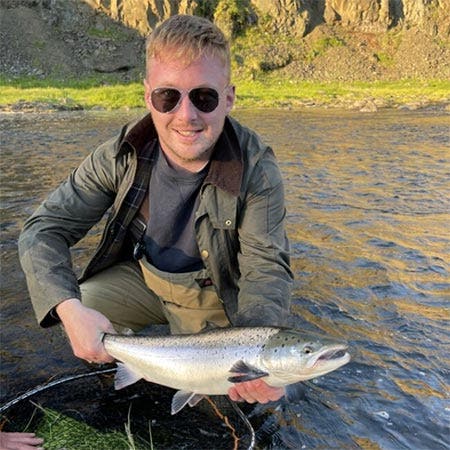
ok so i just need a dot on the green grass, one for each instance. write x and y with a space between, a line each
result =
62 432
322 45
273 93
267 92
88 93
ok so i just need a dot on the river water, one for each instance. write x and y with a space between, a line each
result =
368 198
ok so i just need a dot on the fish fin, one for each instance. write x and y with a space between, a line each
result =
183 398
245 372
195 399
124 376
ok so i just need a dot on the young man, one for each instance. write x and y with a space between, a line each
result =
195 233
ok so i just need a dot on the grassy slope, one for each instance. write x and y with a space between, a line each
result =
269 92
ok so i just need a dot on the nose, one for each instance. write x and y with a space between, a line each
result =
186 110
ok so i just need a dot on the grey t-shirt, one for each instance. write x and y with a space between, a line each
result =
169 240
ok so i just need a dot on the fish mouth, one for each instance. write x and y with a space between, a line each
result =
334 353
335 356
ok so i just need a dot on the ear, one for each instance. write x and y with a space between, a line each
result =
147 95
230 96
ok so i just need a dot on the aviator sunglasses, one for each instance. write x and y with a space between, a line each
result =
166 100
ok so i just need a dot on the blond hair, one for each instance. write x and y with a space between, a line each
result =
186 38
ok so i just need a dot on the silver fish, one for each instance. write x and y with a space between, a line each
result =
208 363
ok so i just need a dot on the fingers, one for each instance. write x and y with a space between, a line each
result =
255 391
19 441
91 348
85 328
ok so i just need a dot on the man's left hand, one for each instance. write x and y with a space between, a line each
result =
255 391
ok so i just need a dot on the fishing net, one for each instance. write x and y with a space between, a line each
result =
87 413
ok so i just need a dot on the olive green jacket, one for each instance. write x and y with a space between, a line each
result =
240 224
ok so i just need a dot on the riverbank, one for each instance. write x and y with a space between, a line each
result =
34 95
70 55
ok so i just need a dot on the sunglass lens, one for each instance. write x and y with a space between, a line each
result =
204 99
165 99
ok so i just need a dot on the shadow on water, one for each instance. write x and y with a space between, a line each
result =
368 203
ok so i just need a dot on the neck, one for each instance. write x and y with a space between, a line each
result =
189 166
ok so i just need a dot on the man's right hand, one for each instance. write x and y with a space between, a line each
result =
85 328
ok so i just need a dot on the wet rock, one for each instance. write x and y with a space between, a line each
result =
369 106
24 106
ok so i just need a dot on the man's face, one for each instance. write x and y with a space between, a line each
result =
186 134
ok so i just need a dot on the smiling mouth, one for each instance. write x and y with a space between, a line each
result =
188 133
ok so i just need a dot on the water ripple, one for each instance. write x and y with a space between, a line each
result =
368 203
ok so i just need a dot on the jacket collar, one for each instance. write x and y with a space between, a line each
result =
226 168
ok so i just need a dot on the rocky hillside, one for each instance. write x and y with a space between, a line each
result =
304 39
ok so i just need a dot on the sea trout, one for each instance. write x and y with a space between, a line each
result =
208 363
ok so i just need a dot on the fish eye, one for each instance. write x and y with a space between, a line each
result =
307 350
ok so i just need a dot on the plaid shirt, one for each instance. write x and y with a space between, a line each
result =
119 222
